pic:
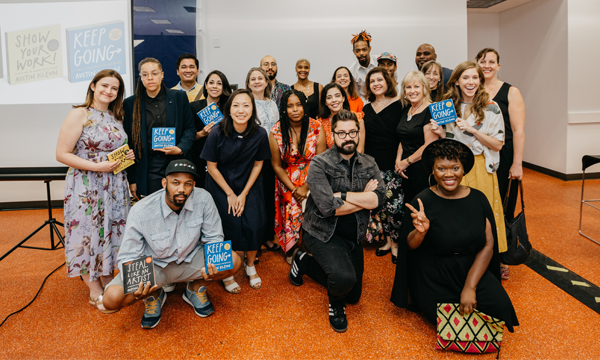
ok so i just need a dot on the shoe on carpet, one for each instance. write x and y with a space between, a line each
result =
199 301
504 272
296 273
232 288
337 316
154 305
381 253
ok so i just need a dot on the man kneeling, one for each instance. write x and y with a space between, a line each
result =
172 225
344 185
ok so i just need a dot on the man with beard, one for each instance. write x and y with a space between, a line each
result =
361 46
269 65
344 185
171 225
425 53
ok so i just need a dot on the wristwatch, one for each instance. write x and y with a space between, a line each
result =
408 160
343 195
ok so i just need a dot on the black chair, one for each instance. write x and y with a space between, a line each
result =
587 161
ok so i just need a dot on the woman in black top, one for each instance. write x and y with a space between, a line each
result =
414 132
311 89
453 246
216 90
512 106
381 120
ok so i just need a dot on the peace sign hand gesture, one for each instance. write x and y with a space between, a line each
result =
420 221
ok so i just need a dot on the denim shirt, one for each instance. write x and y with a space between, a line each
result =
328 175
154 229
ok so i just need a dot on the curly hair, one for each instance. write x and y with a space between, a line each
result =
481 96
451 150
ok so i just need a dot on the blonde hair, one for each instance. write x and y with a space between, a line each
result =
411 77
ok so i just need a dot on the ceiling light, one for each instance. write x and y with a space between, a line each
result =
165 22
143 9
173 31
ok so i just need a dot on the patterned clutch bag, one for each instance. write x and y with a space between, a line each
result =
474 333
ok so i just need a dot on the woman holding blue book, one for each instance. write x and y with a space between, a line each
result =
216 90
234 152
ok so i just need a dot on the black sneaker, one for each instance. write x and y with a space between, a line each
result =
337 317
295 274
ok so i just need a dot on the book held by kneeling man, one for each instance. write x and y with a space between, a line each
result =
219 254
120 154
163 137
443 112
138 271
210 114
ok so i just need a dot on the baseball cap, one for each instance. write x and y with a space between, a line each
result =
387 56
181 166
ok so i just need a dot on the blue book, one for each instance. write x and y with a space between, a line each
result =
219 254
210 114
443 112
96 47
163 137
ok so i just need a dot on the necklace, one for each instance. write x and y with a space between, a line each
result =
411 112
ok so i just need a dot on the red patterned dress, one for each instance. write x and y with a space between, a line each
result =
326 123
288 212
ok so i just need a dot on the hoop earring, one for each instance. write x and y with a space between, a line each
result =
429 179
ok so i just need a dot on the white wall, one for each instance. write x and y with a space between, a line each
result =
483 32
321 31
583 106
534 58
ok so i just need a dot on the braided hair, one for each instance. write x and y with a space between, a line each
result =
140 91
284 122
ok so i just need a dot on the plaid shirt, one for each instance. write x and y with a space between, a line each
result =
154 229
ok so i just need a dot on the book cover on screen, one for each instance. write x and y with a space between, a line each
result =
120 154
219 254
34 54
138 271
96 47
163 137
210 114
443 112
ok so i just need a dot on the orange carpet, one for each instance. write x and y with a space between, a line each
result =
281 321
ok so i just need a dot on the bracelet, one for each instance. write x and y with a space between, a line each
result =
408 160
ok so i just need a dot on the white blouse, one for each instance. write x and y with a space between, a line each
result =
492 125
268 113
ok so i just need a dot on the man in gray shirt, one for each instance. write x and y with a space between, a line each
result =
172 225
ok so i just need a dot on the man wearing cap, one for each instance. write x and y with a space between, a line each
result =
388 61
172 225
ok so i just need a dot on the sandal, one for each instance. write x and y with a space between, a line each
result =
275 246
97 303
251 271
232 288
504 272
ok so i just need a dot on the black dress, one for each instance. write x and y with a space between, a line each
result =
381 139
312 102
200 163
235 157
437 270
412 138
506 154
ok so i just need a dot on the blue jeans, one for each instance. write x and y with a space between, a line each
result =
337 264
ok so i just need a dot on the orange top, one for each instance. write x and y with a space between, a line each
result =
356 104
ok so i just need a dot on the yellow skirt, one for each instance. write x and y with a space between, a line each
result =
478 178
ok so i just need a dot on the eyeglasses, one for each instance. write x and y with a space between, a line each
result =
342 134
271 65
153 74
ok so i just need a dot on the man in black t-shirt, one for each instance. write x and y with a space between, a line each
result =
344 186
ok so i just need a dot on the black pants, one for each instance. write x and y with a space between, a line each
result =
338 265
506 161
157 165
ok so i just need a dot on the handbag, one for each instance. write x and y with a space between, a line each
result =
476 332
519 246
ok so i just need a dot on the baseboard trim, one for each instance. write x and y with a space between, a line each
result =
30 205
559 175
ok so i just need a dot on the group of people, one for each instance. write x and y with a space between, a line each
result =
310 169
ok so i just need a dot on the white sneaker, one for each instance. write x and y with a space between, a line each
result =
169 288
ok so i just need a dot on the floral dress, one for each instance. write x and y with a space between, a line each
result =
326 123
96 204
288 212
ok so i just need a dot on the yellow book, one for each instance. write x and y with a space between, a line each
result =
120 154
